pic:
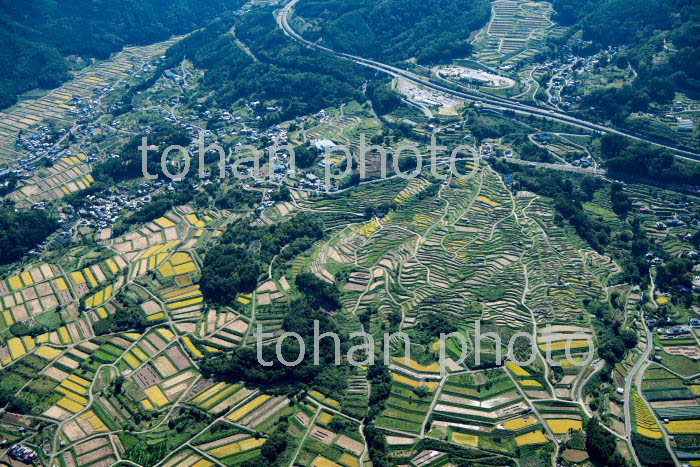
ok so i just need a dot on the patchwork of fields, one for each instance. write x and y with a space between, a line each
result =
60 106
515 33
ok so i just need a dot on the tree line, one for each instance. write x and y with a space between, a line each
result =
248 57
37 34
396 30
22 231
662 39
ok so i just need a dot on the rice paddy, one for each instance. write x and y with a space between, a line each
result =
516 32
462 250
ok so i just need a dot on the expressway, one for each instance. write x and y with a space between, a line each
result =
485 100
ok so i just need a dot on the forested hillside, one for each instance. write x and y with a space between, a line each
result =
394 30
664 47
22 231
259 62
36 34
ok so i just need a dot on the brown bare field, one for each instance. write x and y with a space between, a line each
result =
575 455
222 441
350 444
55 373
146 377
94 455
164 367
176 355
323 435
678 403
72 430
88 446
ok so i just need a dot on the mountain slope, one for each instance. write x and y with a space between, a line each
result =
394 30
260 63
37 33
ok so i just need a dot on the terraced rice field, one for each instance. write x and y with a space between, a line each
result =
673 402
60 105
406 411
324 447
67 175
515 33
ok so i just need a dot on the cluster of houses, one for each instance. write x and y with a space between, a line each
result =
566 73
42 144
566 80
22 453
85 109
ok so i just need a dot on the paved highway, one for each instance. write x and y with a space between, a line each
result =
486 100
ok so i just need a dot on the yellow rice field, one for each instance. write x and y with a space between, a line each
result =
251 443
140 354
131 360
15 283
325 418
325 400
16 348
78 277
465 439
519 423
561 345
536 437
517 369
432 368
190 346
47 352
94 420
164 223
61 284
64 335
323 462
167 334
486 200
350 461
368 229
156 396
71 405
72 396
563 425
683 426
247 408
208 392
412 382
646 424
185 268
81 381
225 451
74 387
186 303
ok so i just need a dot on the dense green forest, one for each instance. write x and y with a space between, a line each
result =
22 231
663 39
395 30
236 263
128 165
267 65
641 159
36 34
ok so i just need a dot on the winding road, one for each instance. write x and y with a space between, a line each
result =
485 100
